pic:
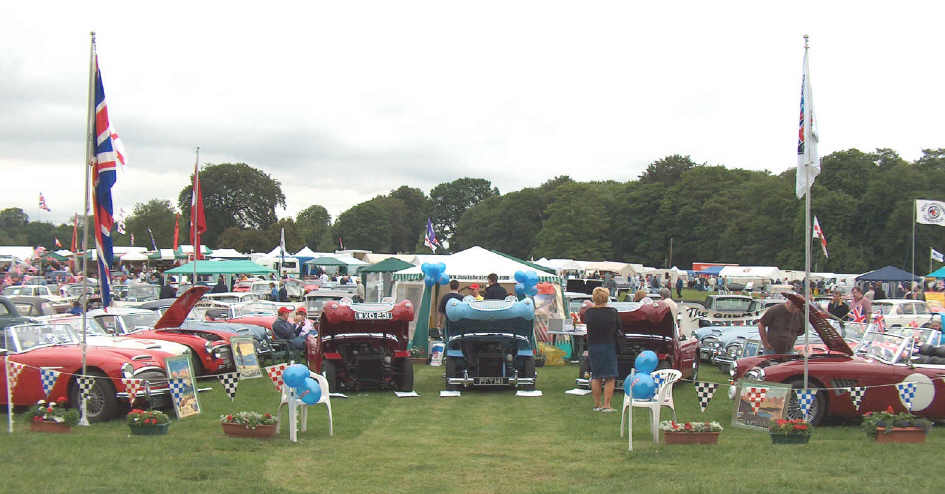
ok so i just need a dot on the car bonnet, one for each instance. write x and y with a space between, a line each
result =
818 319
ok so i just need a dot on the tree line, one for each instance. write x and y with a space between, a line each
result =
678 211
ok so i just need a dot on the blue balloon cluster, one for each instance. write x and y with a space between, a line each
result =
296 376
434 274
642 387
526 283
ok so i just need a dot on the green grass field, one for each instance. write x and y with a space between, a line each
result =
479 442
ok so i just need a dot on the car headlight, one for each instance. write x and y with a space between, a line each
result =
733 350
208 346
756 374
127 370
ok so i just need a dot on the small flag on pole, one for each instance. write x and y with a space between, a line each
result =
48 378
42 203
936 255
58 243
176 230
75 233
819 233
930 212
85 386
429 239
14 369
805 397
340 243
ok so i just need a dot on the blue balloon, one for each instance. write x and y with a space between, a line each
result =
646 362
295 375
520 276
428 281
531 290
440 267
425 268
531 278
310 392
642 387
444 279
519 289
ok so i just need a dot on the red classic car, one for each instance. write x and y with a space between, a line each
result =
363 345
647 327
57 347
210 348
881 361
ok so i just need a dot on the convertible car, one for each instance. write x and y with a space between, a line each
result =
881 360
647 327
57 347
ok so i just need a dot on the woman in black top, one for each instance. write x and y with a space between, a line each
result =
837 306
602 325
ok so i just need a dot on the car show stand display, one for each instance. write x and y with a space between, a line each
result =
260 432
900 435
50 427
670 437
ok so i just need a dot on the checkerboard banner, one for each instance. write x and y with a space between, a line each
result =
906 393
805 397
47 378
275 373
755 396
856 395
230 381
85 385
705 391
13 374
132 386
176 387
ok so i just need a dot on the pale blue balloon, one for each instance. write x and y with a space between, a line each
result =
310 392
643 387
646 362
520 276
295 375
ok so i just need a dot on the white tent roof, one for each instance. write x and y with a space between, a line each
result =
133 256
763 272
474 264
277 252
306 252
621 268
227 253
561 264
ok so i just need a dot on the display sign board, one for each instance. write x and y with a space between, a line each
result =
183 388
759 403
244 357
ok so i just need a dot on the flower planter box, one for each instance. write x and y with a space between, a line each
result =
670 437
790 438
260 432
50 427
900 435
150 430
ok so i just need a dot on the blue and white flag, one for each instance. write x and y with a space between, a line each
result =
429 239
805 397
48 378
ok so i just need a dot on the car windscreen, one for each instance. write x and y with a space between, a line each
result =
147 320
143 293
732 304
13 291
882 308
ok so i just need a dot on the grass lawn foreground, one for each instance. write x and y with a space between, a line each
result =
479 442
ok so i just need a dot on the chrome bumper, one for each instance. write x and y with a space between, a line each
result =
467 381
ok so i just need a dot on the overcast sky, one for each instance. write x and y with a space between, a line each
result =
341 101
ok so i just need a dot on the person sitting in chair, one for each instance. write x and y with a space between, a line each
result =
285 330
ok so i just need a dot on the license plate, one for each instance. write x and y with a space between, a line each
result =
372 316
490 380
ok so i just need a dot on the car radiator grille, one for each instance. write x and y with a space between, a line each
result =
157 379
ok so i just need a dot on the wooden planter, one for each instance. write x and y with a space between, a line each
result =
672 437
150 430
260 432
50 427
900 435
790 438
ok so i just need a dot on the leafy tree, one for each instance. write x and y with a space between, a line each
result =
234 195
293 238
413 224
452 199
13 218
246 241
366 226
668 170
314 226
577 225
157 214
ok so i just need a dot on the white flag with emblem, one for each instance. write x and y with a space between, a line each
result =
930 212
936 255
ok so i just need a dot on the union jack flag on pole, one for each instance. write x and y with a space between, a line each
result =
857 314
104 174
42 203
429 239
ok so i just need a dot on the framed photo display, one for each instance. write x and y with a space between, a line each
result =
757 404
244 356
182 386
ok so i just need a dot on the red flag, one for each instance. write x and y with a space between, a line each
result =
342 244
819 233
58 243
176 229
75 230
198 222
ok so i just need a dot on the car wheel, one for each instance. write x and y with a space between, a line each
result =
102 403
818 408
404 377
584 372
528 370
328 367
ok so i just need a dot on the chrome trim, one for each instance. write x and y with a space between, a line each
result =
467 381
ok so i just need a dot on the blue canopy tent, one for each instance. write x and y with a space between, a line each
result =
712 270
888 273
938 273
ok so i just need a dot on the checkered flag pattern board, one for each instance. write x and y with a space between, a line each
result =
906 394
705 391
132 386
230 381
755 396
275 373
804 399
176 386
13 373
48 378
85 385
856 396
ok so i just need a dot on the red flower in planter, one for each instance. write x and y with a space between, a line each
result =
61 400
688 426
801 427
37 419
889 409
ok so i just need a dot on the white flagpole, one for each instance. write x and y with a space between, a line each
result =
808 114
89 149
914 219
193 208
6 369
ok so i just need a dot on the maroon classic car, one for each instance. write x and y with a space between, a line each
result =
647 327
881 361
363 345
56 347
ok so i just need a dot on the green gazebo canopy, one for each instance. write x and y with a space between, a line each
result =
221 267
388 265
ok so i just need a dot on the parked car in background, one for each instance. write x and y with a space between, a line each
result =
648 327
903 312
134 294
722 310
56 302
96 335
315 300
33 306
9 315
56 346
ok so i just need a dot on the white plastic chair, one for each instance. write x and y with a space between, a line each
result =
293 402
662 398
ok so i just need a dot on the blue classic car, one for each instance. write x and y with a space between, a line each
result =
711 339
730 343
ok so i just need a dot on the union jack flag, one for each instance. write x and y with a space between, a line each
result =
857 314
429 239
104 174
880 323
42 203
